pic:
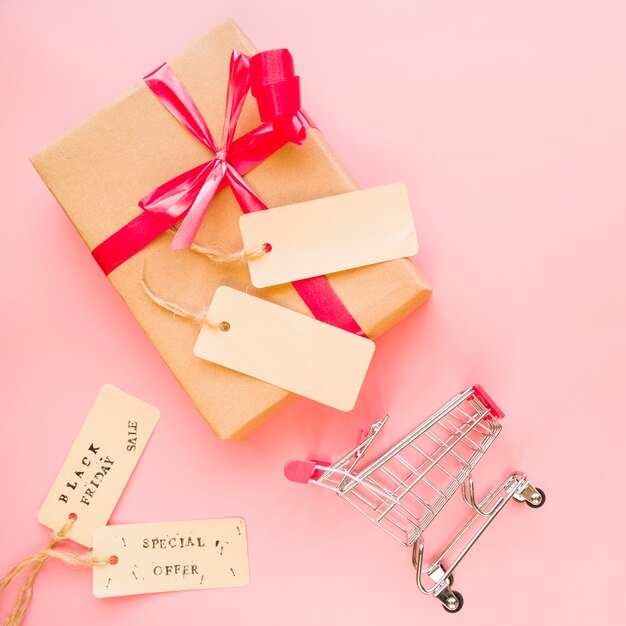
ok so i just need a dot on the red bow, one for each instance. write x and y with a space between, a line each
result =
189 195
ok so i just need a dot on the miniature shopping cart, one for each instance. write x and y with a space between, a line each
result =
404 489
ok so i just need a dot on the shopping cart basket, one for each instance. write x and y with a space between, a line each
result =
404 489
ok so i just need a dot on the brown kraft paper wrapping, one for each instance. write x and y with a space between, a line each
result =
100 170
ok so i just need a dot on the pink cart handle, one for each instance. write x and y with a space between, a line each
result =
486 399
303 471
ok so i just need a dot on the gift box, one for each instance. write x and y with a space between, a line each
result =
100 170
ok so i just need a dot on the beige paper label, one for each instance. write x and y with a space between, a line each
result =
285 348
99 463
171 556
330 234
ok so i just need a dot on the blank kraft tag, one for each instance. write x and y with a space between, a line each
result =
330 234
171 556
285 348
99 463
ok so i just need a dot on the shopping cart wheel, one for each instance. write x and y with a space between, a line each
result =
541 502
533 496
454 603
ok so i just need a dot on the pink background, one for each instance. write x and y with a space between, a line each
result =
507 122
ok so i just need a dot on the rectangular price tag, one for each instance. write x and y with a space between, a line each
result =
171 556
329 234
99 463
285 348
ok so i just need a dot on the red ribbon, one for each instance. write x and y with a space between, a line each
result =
186 197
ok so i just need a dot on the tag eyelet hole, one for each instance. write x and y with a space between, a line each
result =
224 327
113 560
72 516
267 247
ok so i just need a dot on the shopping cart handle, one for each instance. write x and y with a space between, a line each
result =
486 399
303 471
299 471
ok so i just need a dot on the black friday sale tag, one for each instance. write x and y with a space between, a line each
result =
99 463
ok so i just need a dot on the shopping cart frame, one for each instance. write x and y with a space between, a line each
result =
461 432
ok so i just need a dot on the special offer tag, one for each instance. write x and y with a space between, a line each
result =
99 463
171 556
329 234
285 348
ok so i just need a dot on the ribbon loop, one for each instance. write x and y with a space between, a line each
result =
238 85
167 87
277 91
274 84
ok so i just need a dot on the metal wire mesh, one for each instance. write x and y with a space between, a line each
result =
403 489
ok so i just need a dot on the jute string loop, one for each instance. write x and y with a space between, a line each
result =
37 560
218 254
197 316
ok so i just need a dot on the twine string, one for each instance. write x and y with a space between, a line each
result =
173 307
37 560
217 254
